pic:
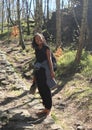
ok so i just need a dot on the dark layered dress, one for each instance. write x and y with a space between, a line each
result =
43 78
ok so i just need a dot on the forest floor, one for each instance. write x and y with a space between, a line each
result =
72 101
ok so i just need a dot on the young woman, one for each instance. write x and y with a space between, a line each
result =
44 72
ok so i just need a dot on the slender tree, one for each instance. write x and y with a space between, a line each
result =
74 14
40 13
82 32
2 16
30 11
58 23
89 17
38 16
27 15
21 41
23 9
47 10
8 17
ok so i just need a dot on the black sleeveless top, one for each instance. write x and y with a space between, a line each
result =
41 53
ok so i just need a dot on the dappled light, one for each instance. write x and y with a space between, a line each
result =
58 53
15 31
39 92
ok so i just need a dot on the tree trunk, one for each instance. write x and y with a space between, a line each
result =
23 9
8 18
47 10
82 32
2 16
89 17
27 12
62 4
21 41
38 16
58 23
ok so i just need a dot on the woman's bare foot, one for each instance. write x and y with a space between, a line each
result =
44 112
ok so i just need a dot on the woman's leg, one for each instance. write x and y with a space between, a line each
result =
43 88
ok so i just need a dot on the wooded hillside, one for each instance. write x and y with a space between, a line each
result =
67 27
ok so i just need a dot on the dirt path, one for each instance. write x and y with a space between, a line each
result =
19 113
18 108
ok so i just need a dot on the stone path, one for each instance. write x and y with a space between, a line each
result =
8 77
17 107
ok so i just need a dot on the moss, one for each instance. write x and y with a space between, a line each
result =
53 115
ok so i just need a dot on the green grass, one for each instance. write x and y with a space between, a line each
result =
86 63
4 35
53 115
67 58
66 64
76 86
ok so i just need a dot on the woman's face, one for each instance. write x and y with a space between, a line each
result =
38 40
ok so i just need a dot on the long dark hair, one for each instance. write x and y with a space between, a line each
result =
34 44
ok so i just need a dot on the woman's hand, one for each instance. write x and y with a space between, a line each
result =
52 74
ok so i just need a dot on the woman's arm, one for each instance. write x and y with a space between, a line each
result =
48 53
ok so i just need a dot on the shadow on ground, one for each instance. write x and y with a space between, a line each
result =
20 122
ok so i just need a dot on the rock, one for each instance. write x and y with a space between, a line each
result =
3 62
38 107
79 76
24 126
4 117
2 77
8 64
49 121
4 82
56 127
27 75
18 112
6 72
60 107
80 128
2 71
10 68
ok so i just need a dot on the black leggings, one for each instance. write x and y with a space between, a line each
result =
43 88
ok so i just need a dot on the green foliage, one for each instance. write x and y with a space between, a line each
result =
67 58
4 35
67 65
86 63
